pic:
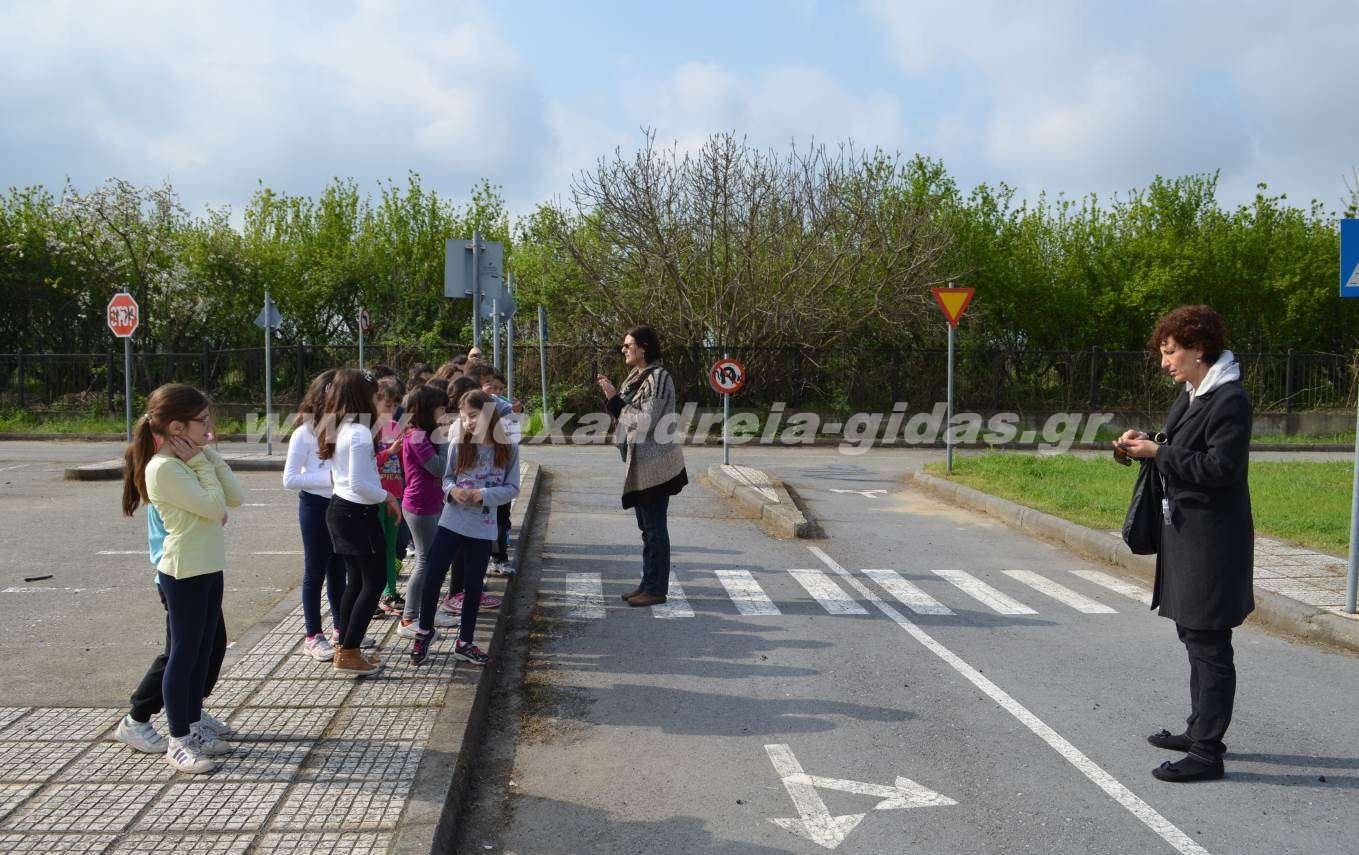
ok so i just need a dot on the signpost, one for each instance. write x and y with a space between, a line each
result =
1349 287
124 317
475 268
269 319
727 377
953 302
509 341
365 325
542 362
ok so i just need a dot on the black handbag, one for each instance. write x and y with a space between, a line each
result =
1142 526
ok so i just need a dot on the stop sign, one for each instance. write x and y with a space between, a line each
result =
123 315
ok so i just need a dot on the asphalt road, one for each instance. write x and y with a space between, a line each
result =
802 689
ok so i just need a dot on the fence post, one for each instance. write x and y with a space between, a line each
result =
23 382
301 374
1094 377
109 357
1288 383
203 370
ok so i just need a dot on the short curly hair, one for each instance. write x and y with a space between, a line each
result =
1191 326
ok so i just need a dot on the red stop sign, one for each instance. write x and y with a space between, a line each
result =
123 315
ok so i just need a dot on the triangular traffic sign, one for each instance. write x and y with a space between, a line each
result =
1354 278
954 302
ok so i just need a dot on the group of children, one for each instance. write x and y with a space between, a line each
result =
377 468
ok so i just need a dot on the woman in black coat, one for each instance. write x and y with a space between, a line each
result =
1205 564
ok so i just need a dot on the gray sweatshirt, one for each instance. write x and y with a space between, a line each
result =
499 486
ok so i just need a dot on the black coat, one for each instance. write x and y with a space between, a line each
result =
1204 571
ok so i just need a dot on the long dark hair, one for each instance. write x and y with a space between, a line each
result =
420 406
173 402
487 425
646 338
460 387
315 397
350 397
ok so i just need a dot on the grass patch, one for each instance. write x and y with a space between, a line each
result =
20 421
1305 502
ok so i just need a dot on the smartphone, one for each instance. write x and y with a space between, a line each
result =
1121 453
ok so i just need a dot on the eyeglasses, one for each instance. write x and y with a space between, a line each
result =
627 347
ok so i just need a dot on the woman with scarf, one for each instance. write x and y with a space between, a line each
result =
654 459
1205 563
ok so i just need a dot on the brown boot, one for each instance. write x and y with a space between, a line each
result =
351 663
372 657
646 599
630 594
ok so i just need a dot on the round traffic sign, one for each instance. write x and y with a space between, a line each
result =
123 315
727 376
365 322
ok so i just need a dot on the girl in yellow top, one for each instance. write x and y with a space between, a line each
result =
191 488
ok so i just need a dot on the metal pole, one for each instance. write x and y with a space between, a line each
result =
495 334
127 384
948 425
542 361
509 347
726 418
268 378
1353 587
360 347
476 289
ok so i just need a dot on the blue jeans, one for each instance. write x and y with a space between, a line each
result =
320 564
655 545
195 607
475 552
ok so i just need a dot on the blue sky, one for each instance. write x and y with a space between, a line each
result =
1066 96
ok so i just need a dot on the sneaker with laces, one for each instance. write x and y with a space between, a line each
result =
187 755
453 604
208 742
215 724
408 629
420 649
489 602
140 736
444 620
468 652
318 647
391 604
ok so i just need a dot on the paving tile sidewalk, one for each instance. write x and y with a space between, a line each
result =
1310 577
321 763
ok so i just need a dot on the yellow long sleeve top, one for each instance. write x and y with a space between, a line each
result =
191 499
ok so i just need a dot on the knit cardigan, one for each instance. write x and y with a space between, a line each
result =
655 464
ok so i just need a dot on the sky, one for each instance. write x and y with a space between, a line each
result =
1064 97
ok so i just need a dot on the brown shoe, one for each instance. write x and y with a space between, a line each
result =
630 594
646 599
351 663
372 657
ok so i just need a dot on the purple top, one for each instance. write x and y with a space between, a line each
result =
424 493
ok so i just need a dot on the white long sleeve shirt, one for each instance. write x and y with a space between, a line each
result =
304 470
353 469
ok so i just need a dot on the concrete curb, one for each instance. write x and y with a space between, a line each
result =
764 497
1273 611
112 470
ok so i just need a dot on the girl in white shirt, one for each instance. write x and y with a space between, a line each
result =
305 472
344 436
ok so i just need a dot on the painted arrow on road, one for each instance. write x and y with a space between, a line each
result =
868 494
814 820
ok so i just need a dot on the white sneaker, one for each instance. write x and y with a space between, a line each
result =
208 742
408 630
219 728
187 755
444 620
318 647
501 568
140 736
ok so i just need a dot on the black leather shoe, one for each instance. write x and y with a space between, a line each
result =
1189 769
1171 741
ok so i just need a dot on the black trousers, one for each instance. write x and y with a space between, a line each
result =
148 700
356 532
195 607
1212 689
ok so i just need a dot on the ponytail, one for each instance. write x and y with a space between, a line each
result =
135 457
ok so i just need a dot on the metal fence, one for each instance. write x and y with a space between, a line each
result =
829 379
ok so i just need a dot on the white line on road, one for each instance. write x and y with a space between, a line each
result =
984 593
830 595
814 821
1113 583
280 552
1060 593
676 604
123 552
908 593
747 595
1073 755
15 466
255 505
584 596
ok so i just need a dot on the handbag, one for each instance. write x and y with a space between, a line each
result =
1142 525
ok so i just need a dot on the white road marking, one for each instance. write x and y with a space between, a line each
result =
124 552
746 594
254 504
984 593
830 595
1129 800
584 596
676 605
1113 583
867 494
11 468
280 552
907 593
1060 593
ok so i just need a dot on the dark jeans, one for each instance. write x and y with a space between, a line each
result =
502 540
655 545
1212 689
149 698
474 553
320 564
455 574
195 609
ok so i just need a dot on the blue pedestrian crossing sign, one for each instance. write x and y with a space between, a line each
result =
1349 258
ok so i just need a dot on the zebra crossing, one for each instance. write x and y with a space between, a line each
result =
940 592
